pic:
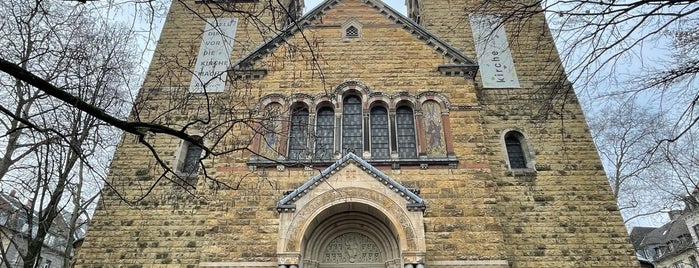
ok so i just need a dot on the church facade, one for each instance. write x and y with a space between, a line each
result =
357 137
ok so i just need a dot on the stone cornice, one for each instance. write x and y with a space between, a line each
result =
415 203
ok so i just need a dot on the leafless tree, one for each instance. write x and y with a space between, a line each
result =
67 72
45 140
625 59
84 193
648 178
619 49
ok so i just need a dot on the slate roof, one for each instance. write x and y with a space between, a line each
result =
457 58
669 231
12 205
637 235
414 201
13 202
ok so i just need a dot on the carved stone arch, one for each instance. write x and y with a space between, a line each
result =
324 100
378 99
351 224
307 216
404 98
409 232
351 185
351 87
435 96
271 98
301 99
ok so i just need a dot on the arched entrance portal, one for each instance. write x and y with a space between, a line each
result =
351 235
351 215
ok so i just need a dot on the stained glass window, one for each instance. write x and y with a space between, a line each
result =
298 134
352 125
271 128
405 128
379 133
325 132
432 114
514 151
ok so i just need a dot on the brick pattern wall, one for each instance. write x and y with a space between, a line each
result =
564 214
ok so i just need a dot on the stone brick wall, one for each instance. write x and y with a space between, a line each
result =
563 215
533 49
479 213
179 42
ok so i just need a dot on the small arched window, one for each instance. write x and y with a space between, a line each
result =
298 134
352 125
379 133
516 152
325 132
405 128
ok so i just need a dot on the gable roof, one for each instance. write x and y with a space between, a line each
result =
458 59
10 204
414 201
638 233
13 203
669 231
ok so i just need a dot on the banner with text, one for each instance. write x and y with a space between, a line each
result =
214 55
494 58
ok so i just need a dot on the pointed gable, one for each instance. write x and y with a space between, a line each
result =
327 12
414 202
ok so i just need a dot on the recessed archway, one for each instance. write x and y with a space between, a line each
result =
348 206
351 235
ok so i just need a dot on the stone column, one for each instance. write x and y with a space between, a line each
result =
420 131
448 137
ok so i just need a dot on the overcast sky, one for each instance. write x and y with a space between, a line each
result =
395 4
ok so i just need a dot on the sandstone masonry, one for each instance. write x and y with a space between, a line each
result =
456 203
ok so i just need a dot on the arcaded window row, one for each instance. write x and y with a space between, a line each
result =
373 126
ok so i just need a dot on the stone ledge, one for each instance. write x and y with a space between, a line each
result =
443 264
470 264
238 264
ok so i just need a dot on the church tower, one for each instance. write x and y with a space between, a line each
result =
238 26
354 136
541 206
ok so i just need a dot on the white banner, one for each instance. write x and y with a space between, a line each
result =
494 58
214 55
